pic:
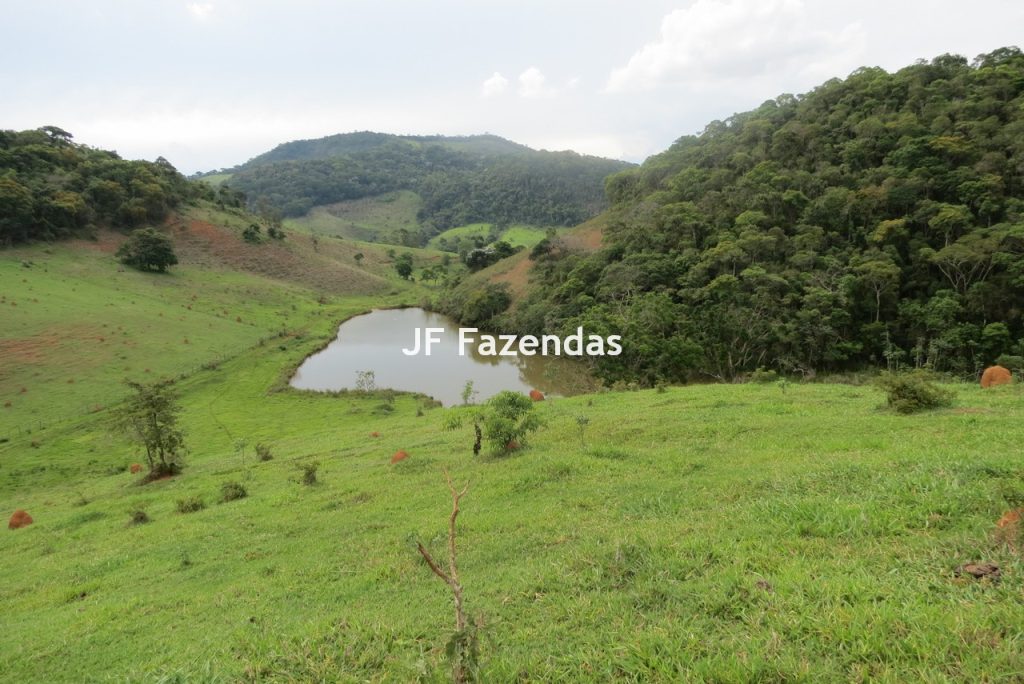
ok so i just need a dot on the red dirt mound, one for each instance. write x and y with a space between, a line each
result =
19 519
135 468
536 395
375 434
996 375
399 456
512 446
1008 528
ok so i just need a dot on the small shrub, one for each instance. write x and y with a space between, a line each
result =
763 376
190 505
912 392
366 381
263 452
138 517
510 418
309 472
582 422
468 393
232 491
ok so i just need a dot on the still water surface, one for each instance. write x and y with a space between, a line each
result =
374 342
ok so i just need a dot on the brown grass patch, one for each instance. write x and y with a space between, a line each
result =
329 268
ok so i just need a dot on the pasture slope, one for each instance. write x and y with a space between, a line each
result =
772 532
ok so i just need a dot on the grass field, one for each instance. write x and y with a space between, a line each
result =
215 179
372 219
517 235
76 323
704 533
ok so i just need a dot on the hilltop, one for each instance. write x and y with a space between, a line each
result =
441 182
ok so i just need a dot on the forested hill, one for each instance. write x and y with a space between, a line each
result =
343 144
52 187
460 180
877 220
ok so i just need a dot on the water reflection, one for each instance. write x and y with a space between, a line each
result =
374 342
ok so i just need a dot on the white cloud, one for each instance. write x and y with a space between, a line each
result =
495 85
533 84
715 41
200 10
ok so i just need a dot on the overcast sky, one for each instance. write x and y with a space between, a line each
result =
209 84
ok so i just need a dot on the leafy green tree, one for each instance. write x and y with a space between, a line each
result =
147 249
150 418
403 265
16 207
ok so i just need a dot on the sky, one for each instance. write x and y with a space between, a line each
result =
209 84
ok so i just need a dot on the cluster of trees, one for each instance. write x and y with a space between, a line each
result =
877 220
460 180
53 188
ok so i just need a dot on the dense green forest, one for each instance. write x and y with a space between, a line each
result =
52 188
460 180
876 220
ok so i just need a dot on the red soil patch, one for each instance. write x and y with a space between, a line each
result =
536 395
107 242
19 519
517 277
375 434
399 456
44 346
996 375
136 468
512 446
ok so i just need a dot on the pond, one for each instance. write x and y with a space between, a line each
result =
374 342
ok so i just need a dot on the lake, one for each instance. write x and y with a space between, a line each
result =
374 342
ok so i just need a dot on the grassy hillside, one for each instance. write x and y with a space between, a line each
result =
724 532
517 236
76 323
372 219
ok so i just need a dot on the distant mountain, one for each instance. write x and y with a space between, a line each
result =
343 144
461 180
